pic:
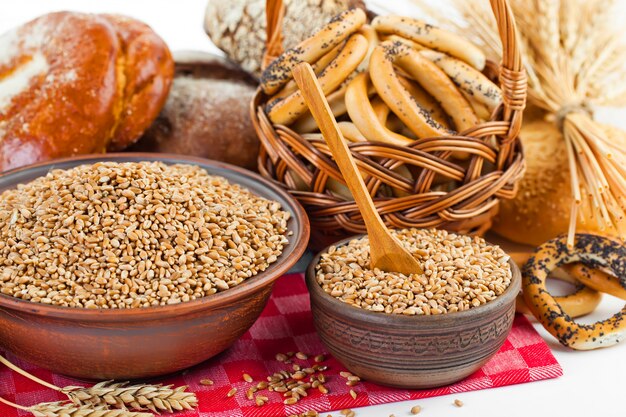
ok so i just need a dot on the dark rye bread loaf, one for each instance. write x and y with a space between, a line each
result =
206 113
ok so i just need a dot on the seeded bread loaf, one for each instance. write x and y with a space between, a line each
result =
238 26
206 113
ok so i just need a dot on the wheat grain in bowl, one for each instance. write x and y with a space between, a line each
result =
133 234
460 272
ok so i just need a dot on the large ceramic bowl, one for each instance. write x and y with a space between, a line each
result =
146 342
412 351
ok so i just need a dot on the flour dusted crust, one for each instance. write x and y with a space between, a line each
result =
206 113
73 83
238 26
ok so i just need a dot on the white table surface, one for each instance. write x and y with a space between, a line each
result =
592 381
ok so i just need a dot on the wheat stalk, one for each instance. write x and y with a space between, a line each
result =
155 398
61 409
575 59
73 410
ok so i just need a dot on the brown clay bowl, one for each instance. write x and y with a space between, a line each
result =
147 342
414 352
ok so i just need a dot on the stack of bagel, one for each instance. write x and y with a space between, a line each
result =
393 80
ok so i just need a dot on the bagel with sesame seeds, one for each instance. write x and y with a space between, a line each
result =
595 252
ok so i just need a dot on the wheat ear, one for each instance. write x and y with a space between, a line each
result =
60 409
574 58
155 398
73 410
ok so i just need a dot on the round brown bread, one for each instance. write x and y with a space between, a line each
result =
542 207
148 69
206 113
73 83
44 110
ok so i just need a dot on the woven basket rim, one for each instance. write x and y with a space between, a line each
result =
469 207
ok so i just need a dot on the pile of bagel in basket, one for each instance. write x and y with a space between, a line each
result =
390 81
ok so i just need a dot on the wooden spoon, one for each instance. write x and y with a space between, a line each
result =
386 251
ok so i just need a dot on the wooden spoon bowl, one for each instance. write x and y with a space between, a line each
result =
414 352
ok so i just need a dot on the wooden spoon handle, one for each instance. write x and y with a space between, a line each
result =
314 97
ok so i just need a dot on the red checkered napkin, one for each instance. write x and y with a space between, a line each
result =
287 325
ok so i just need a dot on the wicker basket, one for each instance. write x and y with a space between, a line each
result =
467 208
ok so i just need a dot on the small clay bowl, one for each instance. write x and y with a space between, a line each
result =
145 342
413 352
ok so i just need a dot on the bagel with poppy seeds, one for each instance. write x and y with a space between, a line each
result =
582 301
364 116
431 37
342 26
389 54
288 110
596 279
471 81
594 251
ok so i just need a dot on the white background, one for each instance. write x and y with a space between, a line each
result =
593 382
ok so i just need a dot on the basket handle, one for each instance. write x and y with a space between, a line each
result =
274 14
512 77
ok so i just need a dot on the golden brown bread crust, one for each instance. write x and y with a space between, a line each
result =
148 69
542 207
67 107
73 83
